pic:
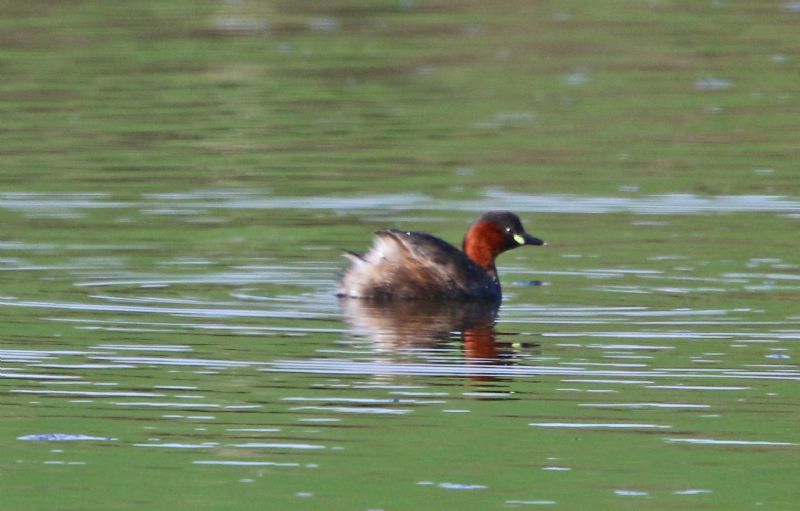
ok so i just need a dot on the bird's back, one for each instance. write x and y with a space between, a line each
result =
408 265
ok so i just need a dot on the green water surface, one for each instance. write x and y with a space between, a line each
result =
177 180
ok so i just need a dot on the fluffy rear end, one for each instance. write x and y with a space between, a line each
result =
391 269
360 279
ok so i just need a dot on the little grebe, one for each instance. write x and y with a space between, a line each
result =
416 265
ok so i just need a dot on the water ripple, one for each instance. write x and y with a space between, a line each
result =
325 366
61 437
237 463
176 311
587 425
179 203
709 441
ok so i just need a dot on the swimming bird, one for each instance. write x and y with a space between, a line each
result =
416 265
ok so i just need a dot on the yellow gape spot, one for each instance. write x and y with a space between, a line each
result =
519 239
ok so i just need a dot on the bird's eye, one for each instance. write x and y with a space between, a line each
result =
508 229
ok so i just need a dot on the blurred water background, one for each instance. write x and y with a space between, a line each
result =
178 179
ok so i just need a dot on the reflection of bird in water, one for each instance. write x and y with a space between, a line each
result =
414 265
414 323
401 324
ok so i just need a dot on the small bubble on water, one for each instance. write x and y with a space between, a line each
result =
690 492
710 83
778 356
462 486
631 493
